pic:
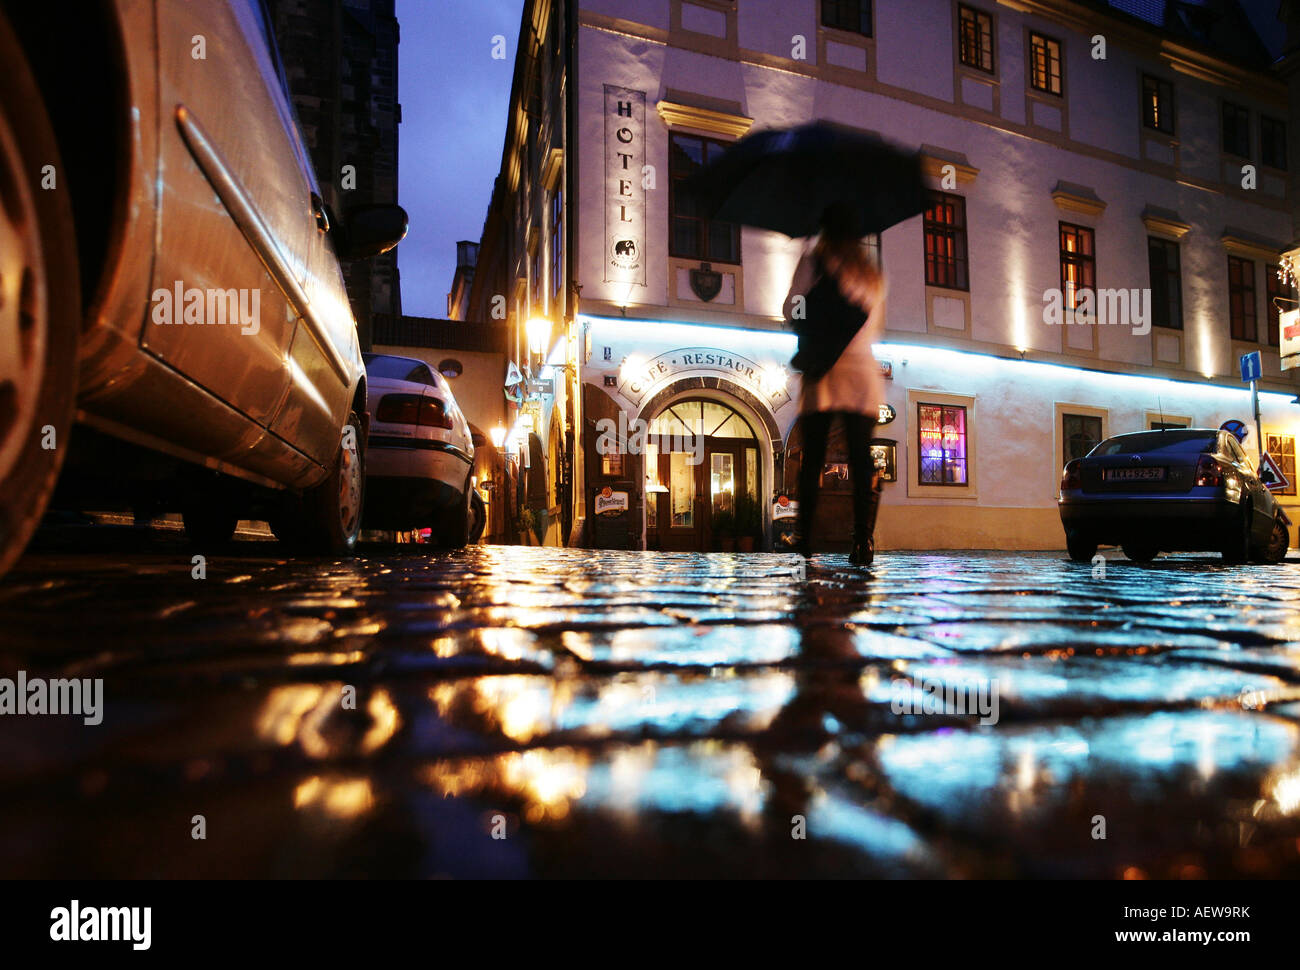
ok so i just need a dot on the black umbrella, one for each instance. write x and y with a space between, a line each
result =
785 179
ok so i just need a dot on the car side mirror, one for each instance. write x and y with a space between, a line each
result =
368 230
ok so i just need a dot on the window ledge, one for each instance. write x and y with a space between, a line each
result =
676 115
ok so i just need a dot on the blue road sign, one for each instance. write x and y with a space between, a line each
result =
1252 366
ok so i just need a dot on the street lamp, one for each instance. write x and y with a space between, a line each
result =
538 331
498 436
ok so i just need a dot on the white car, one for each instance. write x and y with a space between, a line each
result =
420 460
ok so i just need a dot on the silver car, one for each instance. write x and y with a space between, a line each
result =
169 274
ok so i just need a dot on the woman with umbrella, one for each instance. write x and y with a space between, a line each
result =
840 183
837 304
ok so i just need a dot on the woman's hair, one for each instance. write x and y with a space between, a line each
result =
842 255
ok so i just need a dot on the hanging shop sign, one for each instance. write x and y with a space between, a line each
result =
765 383
887 414
624 188
1289 338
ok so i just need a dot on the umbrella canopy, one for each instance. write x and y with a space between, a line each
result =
785 179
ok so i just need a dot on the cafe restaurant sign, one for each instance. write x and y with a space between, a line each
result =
624 189
635 384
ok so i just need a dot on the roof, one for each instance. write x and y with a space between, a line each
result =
1230 29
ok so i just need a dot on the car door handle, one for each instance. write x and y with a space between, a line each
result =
318 210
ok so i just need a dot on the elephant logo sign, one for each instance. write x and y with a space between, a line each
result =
626 254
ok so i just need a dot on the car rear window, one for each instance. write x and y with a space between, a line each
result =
1159 443
399 369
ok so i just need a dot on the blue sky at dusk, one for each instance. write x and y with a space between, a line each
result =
454 102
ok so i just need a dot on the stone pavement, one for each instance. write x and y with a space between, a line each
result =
552 712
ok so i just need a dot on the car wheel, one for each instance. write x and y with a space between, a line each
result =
209 525
327 520
1137 552
453 531
1237 551
1278 542
478 512
40 306
1081 547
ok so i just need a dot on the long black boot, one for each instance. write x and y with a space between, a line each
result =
864 530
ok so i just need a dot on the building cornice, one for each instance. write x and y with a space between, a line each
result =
1167 225
676 115
1077 198
1249 247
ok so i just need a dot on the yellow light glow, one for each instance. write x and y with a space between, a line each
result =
539 332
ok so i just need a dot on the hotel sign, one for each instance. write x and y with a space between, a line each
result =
624 189
1289 338
636 384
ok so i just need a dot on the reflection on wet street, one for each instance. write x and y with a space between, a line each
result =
552 712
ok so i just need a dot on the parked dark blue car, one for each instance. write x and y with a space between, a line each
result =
1179 490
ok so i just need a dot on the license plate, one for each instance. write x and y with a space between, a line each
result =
1133 475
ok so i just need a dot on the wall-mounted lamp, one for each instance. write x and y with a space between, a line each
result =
498 436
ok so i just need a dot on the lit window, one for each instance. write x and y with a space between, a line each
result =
942 444
945 241
1157 104
1045 64
1078 262
1281 447
976 38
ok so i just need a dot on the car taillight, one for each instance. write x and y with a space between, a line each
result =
1071 478
1208 471
399 409
433 414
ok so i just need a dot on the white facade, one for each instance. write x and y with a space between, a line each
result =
1023 161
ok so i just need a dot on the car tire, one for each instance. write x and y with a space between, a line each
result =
40 305
1080 547
1278 542
1237 551
478 511
453 532
209 526
327 519
1137 552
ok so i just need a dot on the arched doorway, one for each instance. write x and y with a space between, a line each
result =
704 478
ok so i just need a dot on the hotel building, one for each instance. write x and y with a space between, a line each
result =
1141 152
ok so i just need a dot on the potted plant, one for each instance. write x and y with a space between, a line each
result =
724 529
749 522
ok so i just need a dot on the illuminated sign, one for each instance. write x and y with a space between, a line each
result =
887 414
1289 338
609 502
635 381
624 189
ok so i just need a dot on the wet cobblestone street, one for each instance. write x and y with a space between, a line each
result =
553 712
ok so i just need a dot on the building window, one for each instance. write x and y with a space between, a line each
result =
945 241
1281 447
976 38
1157 104
1272 142
535 274
1166 283
1078 263
1274 291
1236 130
1080 433
691 235
1045 64
1241 299
557 246
1168 425
943 444
850 15
611 466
